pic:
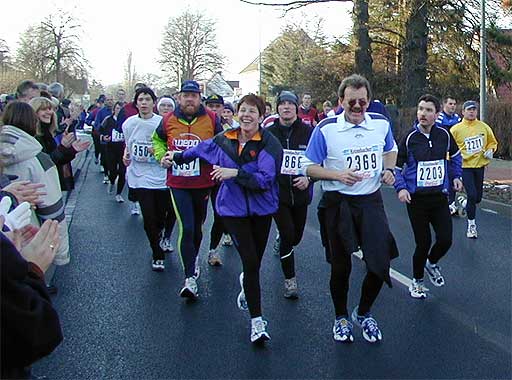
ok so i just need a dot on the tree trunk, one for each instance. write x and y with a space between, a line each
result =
363 51
414 64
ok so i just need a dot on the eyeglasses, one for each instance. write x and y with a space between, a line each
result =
361 102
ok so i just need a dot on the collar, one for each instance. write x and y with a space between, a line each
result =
344 125
232 134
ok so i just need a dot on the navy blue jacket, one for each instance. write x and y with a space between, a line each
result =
446 121
416 147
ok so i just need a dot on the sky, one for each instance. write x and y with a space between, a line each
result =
110 29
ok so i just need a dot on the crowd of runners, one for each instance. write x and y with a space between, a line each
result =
177 153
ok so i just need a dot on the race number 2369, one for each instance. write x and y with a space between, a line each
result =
366 161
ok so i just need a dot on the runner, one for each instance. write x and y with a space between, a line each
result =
424 175
215 103
307 112
190 183
249 159
113 137
353 149
477 144
146 177
295 191
448 118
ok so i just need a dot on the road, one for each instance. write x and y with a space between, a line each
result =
123 321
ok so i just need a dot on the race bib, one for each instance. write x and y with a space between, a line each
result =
192 169
141 151
366 161
116 136
292 162
430 173
474 144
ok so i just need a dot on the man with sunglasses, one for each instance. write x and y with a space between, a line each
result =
352 154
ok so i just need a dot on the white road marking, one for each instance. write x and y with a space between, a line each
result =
490 211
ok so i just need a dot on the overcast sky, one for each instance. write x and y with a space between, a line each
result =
110 28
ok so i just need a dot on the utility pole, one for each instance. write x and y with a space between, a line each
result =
483 64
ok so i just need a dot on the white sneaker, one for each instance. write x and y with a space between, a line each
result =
105 179
291 290
158 265
434 274
214 258
166 245
227 241
259 332
471 232
119 198
417 289
240 300
110 188
189 290
135 209
453 208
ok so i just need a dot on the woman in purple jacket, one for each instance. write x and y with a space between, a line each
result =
246 161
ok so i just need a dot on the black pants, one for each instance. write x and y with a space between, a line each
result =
190 207
96 142
218 225
250 235
115 166
473 179
424 211
154 204
341 266
290 222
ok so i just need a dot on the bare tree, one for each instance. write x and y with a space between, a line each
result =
189 48
130 75
4 54
50 51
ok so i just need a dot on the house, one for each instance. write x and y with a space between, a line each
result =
218 85
250 77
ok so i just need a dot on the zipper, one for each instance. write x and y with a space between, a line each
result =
245 191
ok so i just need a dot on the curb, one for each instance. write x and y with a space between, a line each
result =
80 168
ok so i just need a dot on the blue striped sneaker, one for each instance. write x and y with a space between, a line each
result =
371 331
342 330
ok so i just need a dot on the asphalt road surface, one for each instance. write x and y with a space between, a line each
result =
123 321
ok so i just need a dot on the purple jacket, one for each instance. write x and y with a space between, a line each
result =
254 191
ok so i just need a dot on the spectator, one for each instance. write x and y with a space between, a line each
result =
26 90
21 155
307 112
326 107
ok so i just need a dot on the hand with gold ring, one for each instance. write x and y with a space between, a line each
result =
41 249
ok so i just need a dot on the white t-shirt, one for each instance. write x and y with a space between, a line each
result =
337 144
144 171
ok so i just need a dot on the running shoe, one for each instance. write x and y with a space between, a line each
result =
110 188
158 265
417 289
227 241
240 300
342 330
434 273
471 232
119 198
277 245
166 245
259 332
189 290
105 179
453 208
214 258
135 208
96 161
291 290
371 331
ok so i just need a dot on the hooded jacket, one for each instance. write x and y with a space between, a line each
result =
21 155
254 191
295 137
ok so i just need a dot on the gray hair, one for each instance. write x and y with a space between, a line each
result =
56 89
355 81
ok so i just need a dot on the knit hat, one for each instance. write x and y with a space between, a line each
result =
166 100
287 96
229 106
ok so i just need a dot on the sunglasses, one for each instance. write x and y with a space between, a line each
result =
361 102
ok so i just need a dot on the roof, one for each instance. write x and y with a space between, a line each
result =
218 85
